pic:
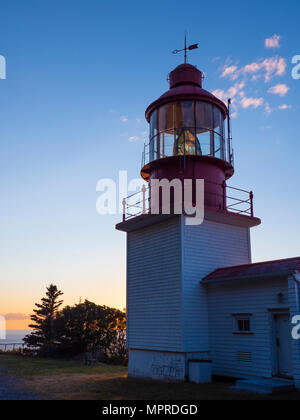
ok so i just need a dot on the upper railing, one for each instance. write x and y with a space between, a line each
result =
168 146
235 200
188 127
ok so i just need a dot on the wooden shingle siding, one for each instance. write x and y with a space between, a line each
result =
205 248
154 287
252 297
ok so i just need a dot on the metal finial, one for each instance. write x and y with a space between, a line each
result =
186 49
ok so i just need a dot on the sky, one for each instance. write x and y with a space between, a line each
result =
79 76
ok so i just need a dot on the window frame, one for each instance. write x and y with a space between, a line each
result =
246 318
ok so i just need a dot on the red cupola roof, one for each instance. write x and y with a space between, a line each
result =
185 74
186 84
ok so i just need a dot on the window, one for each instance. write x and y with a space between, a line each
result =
242 324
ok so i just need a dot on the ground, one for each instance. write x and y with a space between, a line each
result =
33 378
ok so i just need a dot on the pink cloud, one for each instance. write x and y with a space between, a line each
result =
268 67
251 102
16 317
280 89
230 71
133 138
232 92
273 41
284 106
273 66
268 109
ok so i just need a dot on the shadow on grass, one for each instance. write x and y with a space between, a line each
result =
100 387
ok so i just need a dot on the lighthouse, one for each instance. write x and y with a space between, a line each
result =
186 318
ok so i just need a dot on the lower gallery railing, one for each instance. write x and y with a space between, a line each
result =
234 200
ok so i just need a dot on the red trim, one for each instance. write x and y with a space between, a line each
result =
170 96
223 164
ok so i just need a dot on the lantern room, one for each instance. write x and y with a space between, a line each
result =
187 121
187 136
187 127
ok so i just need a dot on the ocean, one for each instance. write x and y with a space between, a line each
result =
13 337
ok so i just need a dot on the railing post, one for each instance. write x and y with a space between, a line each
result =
124 209
224 195
144 198
251 203
149 197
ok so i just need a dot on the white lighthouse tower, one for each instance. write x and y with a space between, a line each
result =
167 306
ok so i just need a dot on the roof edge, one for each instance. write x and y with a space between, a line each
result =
277 274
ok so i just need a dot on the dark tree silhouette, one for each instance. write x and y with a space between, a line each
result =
87 326
42 337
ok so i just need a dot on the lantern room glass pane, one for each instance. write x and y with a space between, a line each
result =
153 124
166 117
204 116
185 114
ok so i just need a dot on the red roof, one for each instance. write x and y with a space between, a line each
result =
263 269
186 84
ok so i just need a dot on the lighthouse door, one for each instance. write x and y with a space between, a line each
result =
283 345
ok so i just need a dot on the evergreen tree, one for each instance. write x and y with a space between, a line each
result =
43 335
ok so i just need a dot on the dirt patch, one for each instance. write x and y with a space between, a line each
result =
72 386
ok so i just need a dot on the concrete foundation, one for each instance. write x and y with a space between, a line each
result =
157 365
160 365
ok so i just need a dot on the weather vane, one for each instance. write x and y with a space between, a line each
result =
186 49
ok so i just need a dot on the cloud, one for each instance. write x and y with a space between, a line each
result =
232 92
16 317
280 89
237 94
263 68
273 41
251 102
236 89
231 72
268 67
124 119
134 138
284 106
219 93
273 66
268 109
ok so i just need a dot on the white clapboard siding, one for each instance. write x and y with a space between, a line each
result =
207 247
294 300
154 287
250 297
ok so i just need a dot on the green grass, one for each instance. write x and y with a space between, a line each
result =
30 366
69 380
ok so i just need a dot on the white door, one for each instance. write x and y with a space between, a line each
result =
284 345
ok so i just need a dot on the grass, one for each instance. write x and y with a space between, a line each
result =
71 380
31 366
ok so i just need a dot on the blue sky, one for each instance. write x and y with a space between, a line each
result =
79 77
